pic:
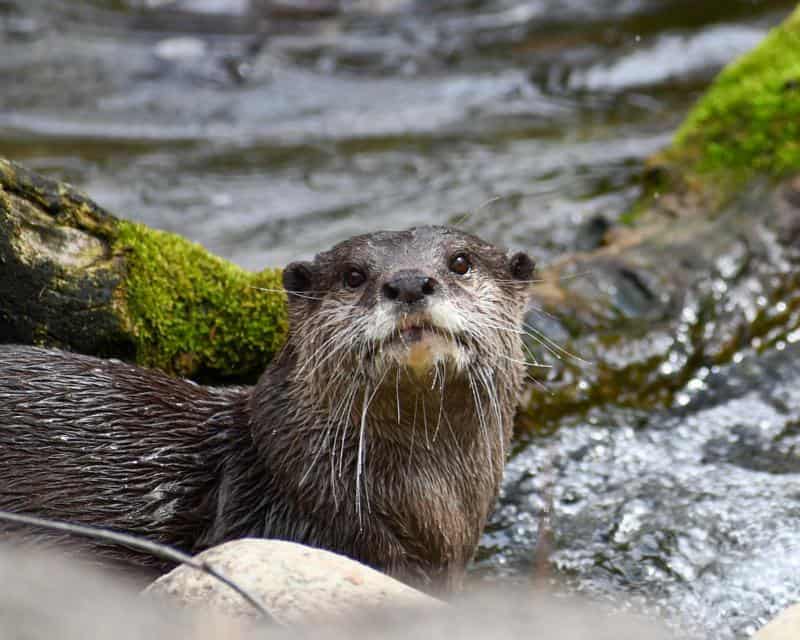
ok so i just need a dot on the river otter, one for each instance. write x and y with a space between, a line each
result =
380 430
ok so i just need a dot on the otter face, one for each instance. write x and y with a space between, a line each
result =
415 298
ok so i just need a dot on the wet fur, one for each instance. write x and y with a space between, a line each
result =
352 453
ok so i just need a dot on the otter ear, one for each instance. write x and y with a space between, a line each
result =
298 276
521 266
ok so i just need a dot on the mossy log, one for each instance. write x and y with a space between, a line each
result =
74 276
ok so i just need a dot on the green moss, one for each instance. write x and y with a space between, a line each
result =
749 120
176 307
194 314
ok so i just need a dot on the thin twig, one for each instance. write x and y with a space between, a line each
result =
542 571
153 548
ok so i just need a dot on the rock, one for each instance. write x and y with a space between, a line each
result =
296 583
744 126
47 595
784 626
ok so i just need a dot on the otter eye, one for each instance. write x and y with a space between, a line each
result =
460 264
354 278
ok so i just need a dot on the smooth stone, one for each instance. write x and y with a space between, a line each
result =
295 583
784 626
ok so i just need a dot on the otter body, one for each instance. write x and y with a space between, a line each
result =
380 431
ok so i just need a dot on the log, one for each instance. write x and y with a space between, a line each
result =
74 276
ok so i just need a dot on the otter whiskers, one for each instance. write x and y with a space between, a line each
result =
362 449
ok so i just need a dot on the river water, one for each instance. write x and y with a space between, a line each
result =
267 131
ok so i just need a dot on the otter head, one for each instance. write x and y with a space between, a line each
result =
418 299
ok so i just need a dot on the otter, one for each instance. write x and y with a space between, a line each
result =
379 431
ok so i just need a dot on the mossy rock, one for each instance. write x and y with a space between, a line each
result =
747 124
712 235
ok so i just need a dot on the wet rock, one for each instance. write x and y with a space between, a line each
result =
591 234
751 448
788 212
296 583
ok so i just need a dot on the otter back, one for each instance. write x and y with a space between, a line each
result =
108 444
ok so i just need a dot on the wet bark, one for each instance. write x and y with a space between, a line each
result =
58 269
74 276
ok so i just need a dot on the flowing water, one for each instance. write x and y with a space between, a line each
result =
267 131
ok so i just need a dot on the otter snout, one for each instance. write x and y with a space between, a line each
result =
409 287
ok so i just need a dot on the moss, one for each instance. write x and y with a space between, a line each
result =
749 120
194 314
154 297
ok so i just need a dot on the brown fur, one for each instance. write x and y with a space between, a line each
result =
401 477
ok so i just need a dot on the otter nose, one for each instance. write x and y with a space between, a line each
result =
409 287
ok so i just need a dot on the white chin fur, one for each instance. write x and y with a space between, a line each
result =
445 315
425 354
432 349
441 313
